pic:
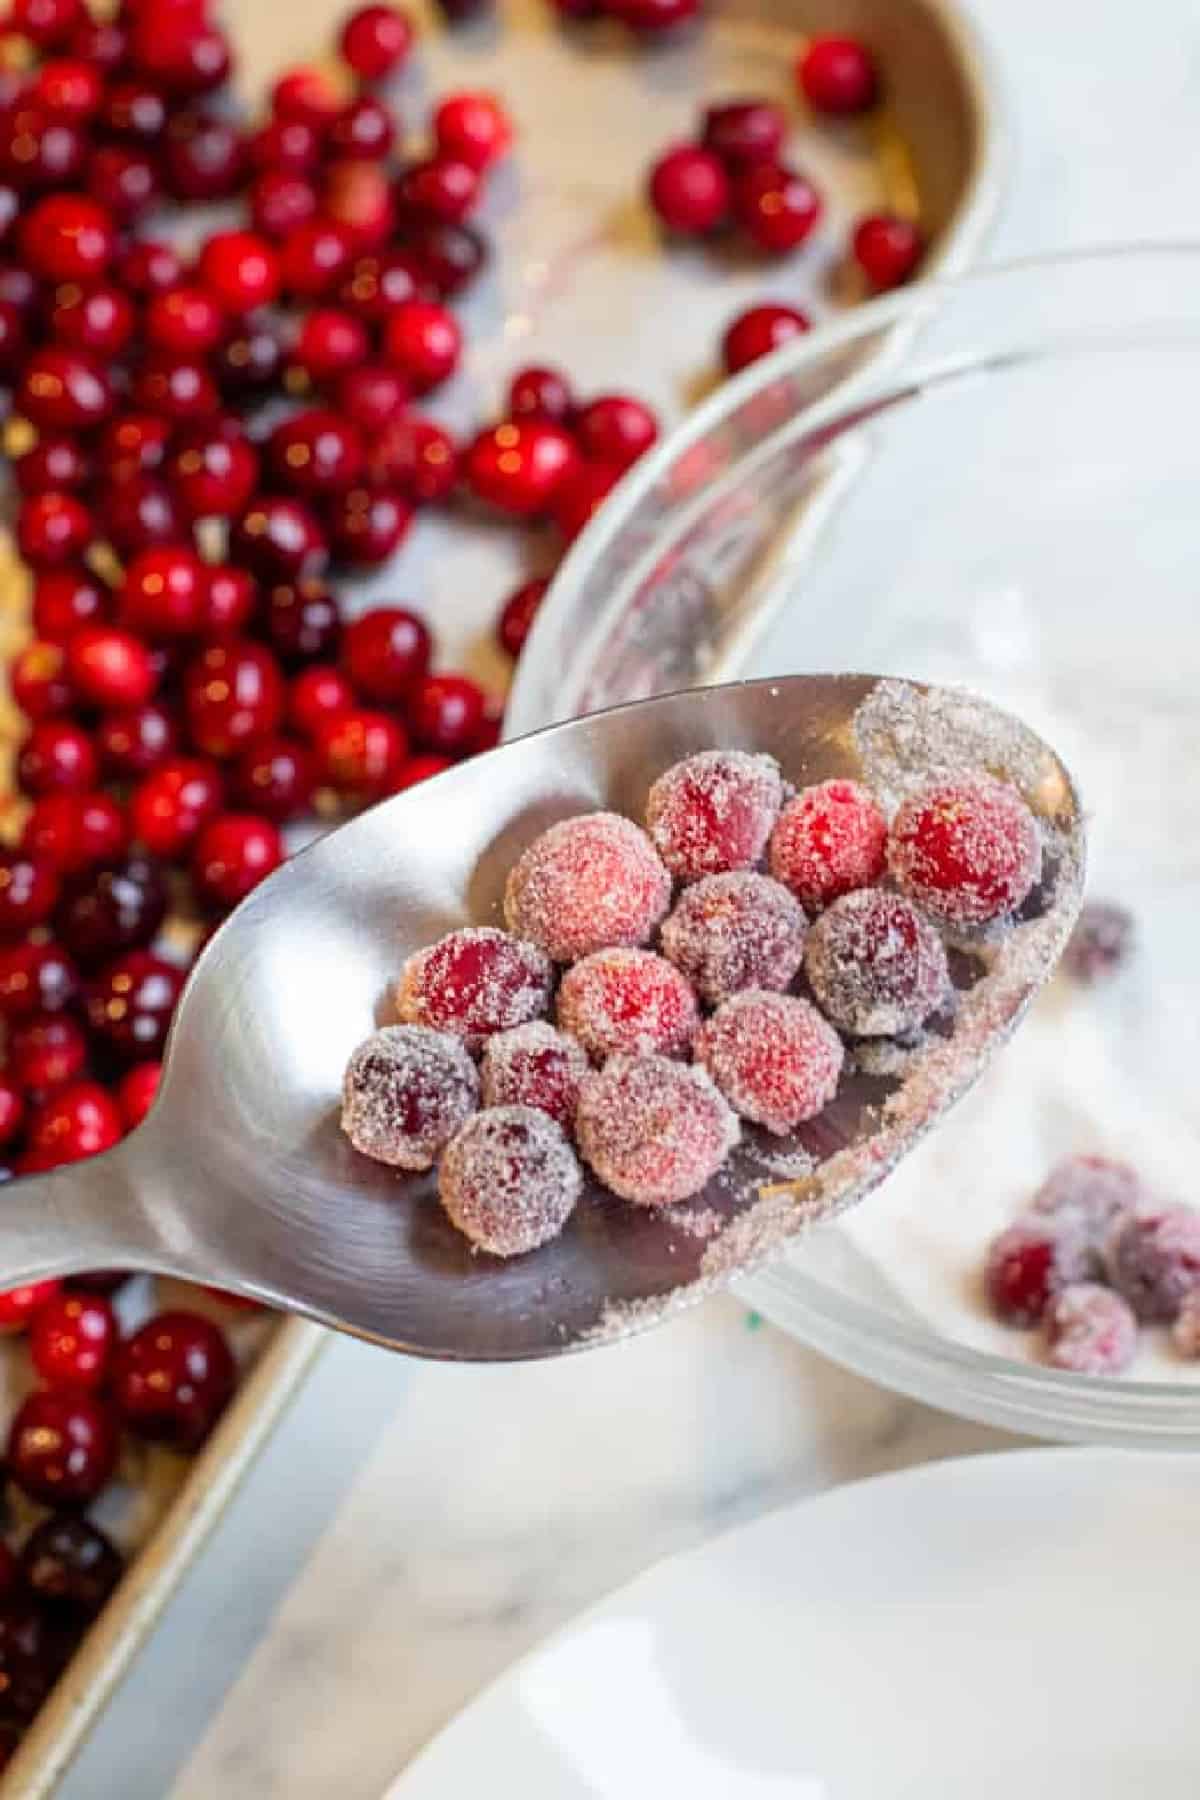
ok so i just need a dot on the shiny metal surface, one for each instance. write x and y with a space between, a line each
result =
240 1175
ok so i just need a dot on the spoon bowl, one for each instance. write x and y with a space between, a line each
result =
240 1176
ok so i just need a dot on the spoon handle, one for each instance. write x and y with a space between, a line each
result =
83 1216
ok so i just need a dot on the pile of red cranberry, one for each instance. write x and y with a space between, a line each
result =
1093 1258
656 1054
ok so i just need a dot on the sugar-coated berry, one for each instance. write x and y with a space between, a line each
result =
407 1090
130 1004
876 967
837 75
830 839
1030 1262
653 1130
232 854
776 206
534 1065
759 331
967 849
62 1446
1092 1192
519 466
509 1180
1100 944
72 1340
887 249
744 132
172 1380
773 1056
474 982
472 126
628 1002
735 931
1089 1330
375 40
689 190
588 883
714 811
1153 1260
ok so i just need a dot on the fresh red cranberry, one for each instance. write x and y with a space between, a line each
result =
616 430
148 267
64 599
30 1663
472 127
279 539
123 180
70 1567
101 43
286 147
213 470
75 831
36 978
178 387
163 593
314 258
233 694
415 769
281 202
776 206
110 668
367 524
445 712
887 249
172 1379
12 1110
203 156
744 132
187 54
28 890
37 151
131 1002
56 757
418 456
37 679
303 621
110 910
19 1305
318 696
386 652
136 110
241 269
307 94
376 40
78 1120
424 341
100 319
133 444
328 343
248 365
185 320
364 129
62 1447
538 393
13 339
275 779
63 390
136 1092
358 196
581 496
837 75
230 600
53 529
376 283
442 187
169 807
967 849
518 613
19 288
46 1050
519 467
1031 1262
132 743
315 452
68 237
654 15
359 752
1100 944
445 257
689 190
46 23
139 513
758 331
490 728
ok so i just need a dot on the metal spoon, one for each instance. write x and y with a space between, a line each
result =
240 1175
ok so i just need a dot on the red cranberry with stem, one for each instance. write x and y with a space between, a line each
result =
1153 1261
136 1092
232 855
37 151
136 110
328 343
148 267
65 599
967 849
581 496
275 779
371 397
407 1090
616 430
248 365
733 932
509 1180
122 180
63 390
776 206
233 694
70 1567
445 713
386 652
178 387
186 320
173 1378
689 190
419 456
46 1050
773 1056
162 595
714 811
375 41
46 23
415 769
109 667
887 249
36 978
309 95
303 621
134 742
286 147
100 319
444 257
1090 1330
213 470
68 237
133 444
367 524
364 129
442 187
20 1305
744 132
837 75
75 831
519 467
37 680
28 890
474 982
203 156
1031 1262
318 696
541 393
77 1121
168 808
424 341
829 839
652 1129
314 258
473 127
359 752
241 269
759 331
376 283
627 1002
518 613
876 967
131 1002
12 1111
534 1065
113 909
53 529
586 884
279 538
56 757
62 1447
280 203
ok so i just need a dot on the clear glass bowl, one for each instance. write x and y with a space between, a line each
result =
992 481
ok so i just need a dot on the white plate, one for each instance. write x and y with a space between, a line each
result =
1022 1624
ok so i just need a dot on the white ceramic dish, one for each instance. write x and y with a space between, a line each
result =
1015 1624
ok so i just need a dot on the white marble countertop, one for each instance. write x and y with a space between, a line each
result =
412 1528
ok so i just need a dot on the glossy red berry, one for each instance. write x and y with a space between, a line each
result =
372 397
62 1447
364 131
758 331
12 1110
442 187
107 911
68 237
70 1567
19 1305
318 696
303 621
445 713
418 456
45 1050
309 95
36 978
424 341
275 779
203 156
64 599
136 1092
233 694
185 320
183 51
168 808
386 652
74 832
473 127
314 258
28 890
148 267
134 741
130 1004
47 23
123 180
359 752
133 444
315 452
519 467
281 202
689 190
744 132
539 393
887 249
214 470
776 206
99 319
415 769
38 152
162 595
837 75
139 513
248 364
109 667
286 146
57 756
230 599
173 1378
72 1339
279 538
615 430
581 496
101 43
329 343
367 524
178 387
37 679
135 110
13 339
241 269
518 613
53 529
78 1120
375 40
444 257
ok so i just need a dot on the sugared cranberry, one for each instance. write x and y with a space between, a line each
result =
581 496
241 269
75 831
65 599
714 811
444 256
149 267
78 1120
367 524
837 75
829 839
249 363
318 696
689 190
773 1056
744 132
303 621
113 909
46 1050
46 23
35 978
967 849
541 393
314 258
329 343
12 1110
280 539
445 713
534 1065
28 890
443 187
424 341
472 127
110 668
509 1180
474 982
20 1305
1029 1263
386 653
1101 942
56 757
417 455
758 331
653 1130
123 180
233 694
586 884
38 681
213 470
735 931
173 1379
407 1090
375 40
627 1002
275 778
53 529
359 752
887 249
71 1567
63 390
68 237
62 1447
518 613
1091 1192
131 1002
134 742
1090 1331
1153 1260
280 202
203 156
776 206
415 769
169 807
876 967
136 1092
518 467
178 387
